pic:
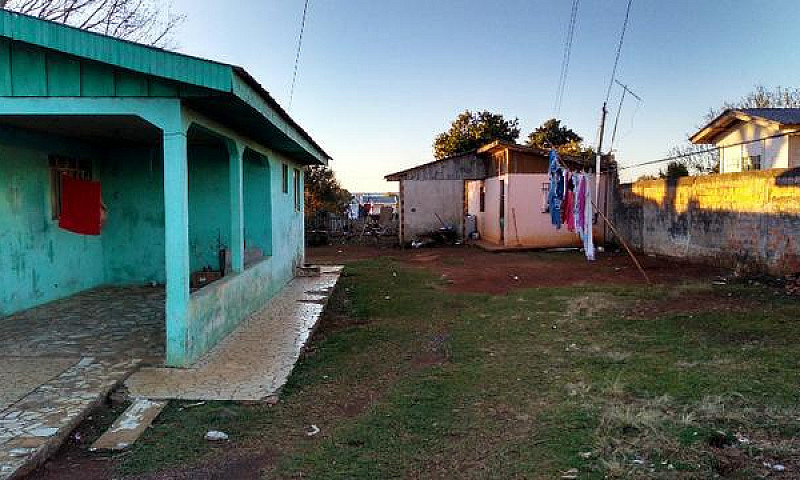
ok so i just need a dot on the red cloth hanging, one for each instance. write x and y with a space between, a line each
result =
81 206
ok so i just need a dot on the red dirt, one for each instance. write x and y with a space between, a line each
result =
470 269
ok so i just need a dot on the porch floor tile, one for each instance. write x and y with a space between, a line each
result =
60 360
254 361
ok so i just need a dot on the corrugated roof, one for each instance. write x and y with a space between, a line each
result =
785 116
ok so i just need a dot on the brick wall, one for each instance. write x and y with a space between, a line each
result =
745 220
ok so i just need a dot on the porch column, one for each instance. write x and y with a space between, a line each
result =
236 176
176 223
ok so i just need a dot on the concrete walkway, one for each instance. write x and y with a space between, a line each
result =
253 362
60 360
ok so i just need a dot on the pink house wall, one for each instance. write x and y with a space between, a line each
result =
526 224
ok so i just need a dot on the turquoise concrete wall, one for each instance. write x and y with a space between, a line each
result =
218 308
209 204
133 237
38 261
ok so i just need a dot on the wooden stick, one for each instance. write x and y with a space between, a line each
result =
516 232
624 244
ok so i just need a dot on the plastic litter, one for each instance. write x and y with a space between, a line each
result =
216 436
313 431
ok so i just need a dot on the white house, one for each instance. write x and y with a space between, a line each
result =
754 138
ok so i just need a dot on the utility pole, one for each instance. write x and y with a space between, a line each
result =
600 153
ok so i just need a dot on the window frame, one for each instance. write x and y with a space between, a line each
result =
60 165
285 178
297 196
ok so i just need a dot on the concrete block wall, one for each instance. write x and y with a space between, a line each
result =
748 220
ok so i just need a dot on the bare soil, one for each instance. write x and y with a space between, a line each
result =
472 270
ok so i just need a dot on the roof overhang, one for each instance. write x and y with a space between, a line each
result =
724 122
253 111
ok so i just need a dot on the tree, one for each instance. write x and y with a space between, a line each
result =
552 134
323 191
674 169
697 159
761 97
471 130
145 21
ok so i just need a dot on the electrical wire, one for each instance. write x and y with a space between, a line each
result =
710 150
562 80
619 49
297 56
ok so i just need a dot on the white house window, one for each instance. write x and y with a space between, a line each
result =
751 162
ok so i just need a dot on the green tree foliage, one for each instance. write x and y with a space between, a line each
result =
471 130
675 169
323 191
552 133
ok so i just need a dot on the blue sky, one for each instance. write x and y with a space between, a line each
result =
378 79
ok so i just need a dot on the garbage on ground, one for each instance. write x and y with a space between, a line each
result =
776 467
192 405
216 436
313 431
446 235
571 474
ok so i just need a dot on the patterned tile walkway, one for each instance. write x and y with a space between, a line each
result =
253 362
79 348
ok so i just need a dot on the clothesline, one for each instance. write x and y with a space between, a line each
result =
578 208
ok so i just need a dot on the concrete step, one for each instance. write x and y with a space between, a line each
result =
130 425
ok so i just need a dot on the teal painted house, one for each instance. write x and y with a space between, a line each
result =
193 156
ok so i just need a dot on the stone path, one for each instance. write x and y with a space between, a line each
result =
62 359
255 361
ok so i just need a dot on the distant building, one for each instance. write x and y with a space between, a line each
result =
375 201
754 138
502 187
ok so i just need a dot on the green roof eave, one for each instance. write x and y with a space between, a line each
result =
113 51
164 64
249 91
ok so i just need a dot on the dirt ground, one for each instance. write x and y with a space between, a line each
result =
471 269
465 269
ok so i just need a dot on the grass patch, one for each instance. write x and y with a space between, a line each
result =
408 380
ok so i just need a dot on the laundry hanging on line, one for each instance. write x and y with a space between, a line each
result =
570 201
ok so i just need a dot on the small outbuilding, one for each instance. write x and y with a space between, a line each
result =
433 195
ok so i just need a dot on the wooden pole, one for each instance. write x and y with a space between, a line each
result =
624 244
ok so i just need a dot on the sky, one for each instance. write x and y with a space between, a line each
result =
379 79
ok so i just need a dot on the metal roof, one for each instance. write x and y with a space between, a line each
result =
185 69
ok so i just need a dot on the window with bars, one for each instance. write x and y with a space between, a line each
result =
60 166
285 176
751 162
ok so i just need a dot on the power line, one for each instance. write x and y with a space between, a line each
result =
297 56
562 80
619 49
625 90
710 150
